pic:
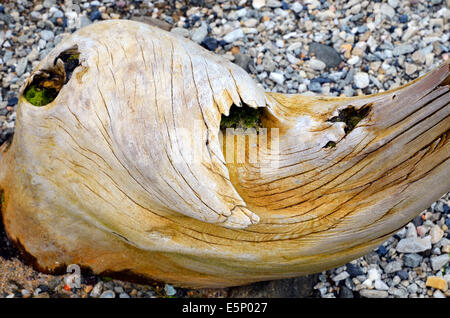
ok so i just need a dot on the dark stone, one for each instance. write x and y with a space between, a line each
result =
446 208
326 54
382 250
195 18
345 292
243 60
321 80
426 253
7 18
418 221
95 15
2 9
336 90
403 275
354 270
12 101
43 288
90 279
299 287
447 222
210 43
285 6
403 18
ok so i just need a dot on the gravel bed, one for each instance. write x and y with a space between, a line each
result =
338 48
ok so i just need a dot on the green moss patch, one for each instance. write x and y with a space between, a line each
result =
39 96
242 117
351 117
47 83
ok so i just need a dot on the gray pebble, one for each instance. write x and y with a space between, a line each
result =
97 290
371 293
412 260
108 294
414 244
234 35
47 35
393 267
438 262
200 33
21 66
361 79
403 49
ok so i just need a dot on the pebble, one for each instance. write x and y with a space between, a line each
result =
316 64
25 293
354 270
418 57
21 66
345 292
277 77
410 69
199 34
292 59
234 35
414 244
326 54
387 10
353 60
393 267
412 260
393 3
403 49
380 285
258 4
361 79
398 292
242 60
210 43
371 293
97 290
47 35
438 294
403 18
413 288
436 234
438 262
170 291
411 230
108 294
342 276
95 15
437 282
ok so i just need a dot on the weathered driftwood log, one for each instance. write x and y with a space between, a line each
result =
99 174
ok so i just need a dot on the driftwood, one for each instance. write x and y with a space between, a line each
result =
100 176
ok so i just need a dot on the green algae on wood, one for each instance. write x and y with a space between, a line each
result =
38 96
241 117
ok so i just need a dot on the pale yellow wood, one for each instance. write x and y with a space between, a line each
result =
100 177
